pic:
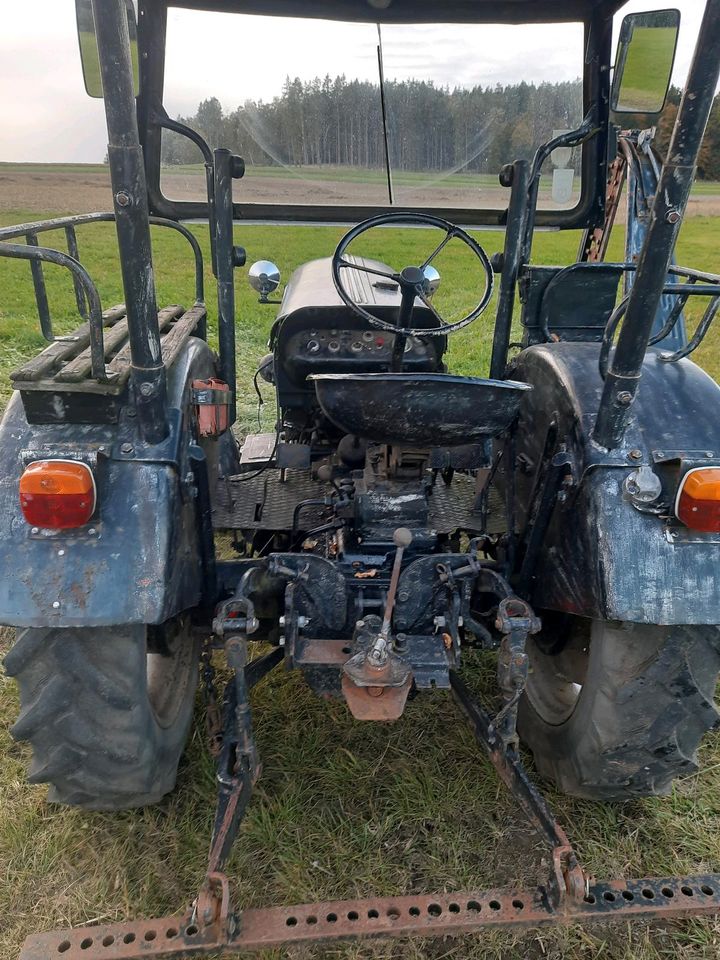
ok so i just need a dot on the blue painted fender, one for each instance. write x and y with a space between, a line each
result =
138 560
602 557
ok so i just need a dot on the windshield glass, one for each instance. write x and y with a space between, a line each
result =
302 101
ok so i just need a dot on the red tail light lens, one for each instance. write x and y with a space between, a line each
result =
698 500
57 494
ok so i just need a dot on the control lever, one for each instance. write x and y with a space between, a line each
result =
402 538
378 653
376 682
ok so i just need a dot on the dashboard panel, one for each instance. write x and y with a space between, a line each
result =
336 350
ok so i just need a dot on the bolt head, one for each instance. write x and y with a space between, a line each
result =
122 198
56 604
35 530
61 553
635 454
126 448
624 398
146 389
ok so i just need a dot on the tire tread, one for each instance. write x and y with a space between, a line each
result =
86 712
645 706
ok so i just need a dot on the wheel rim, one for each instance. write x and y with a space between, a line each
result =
556 678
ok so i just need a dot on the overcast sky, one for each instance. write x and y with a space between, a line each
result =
46 116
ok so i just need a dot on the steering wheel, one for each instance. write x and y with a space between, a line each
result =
411 280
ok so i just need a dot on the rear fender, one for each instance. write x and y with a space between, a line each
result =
602 558
138 560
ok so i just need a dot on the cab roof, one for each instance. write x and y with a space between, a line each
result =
416 11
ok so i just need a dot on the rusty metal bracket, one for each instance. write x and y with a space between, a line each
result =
515 621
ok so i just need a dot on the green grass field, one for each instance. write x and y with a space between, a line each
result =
343 809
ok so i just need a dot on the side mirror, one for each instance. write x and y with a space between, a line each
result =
264 277
89 55
644 63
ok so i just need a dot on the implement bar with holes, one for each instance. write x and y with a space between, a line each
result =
422 915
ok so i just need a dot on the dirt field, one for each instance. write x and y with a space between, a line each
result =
79 190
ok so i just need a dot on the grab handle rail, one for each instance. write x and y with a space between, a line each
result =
87 297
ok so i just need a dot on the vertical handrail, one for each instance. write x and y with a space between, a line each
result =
165 122
226 263
41 297
74 252
127 176
512 252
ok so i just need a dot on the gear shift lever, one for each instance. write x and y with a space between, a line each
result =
402 538
377 674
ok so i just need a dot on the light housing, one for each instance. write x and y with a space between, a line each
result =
698 499
57 494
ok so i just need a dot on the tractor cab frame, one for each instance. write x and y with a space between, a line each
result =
398 514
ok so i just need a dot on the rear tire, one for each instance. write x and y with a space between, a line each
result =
106 712
619 709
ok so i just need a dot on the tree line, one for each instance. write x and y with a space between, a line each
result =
338 122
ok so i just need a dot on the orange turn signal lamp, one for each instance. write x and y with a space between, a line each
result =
57 494
698 499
